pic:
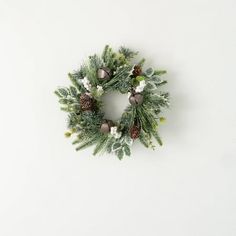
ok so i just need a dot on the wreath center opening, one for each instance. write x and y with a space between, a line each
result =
114 104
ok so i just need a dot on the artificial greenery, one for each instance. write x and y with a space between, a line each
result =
141 118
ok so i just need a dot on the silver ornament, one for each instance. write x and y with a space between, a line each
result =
132 100
104 73
136 99
105 128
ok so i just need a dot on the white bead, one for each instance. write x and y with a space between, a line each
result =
99 88
114 132
141 86
86 83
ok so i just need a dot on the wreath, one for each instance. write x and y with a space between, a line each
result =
114 71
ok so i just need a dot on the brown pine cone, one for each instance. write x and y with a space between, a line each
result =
137 71
86 102
134 131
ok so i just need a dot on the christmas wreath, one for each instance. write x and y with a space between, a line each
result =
113 71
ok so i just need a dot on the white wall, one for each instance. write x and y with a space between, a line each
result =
186 188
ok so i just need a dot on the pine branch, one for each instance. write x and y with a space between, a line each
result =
94 63
160 72
129 54
108 57
89 143
74 78
101 144
128 117
144 138
157 137
121 74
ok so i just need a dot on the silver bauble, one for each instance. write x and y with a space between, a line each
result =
136 99
132 100
104 73
105 128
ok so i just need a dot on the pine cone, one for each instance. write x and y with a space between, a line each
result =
137 71
86 102
134 131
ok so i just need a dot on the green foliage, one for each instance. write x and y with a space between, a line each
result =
88 143
109 57
121 146
149 72
101 144
127 150
128 117
68 98
94 63
128 54
145 138
160 72
76 77
85 125
121 80
90 120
